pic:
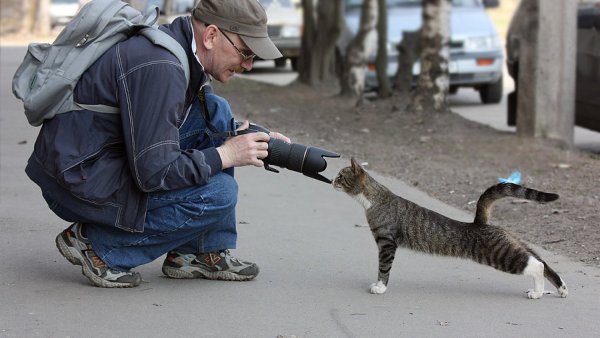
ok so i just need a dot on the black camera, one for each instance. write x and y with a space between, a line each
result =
307 160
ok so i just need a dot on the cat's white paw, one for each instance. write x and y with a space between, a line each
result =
563 291
531 294
378 288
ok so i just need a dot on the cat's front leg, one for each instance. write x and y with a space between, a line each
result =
387 251
378 288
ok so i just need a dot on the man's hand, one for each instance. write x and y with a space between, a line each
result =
242 150
280 136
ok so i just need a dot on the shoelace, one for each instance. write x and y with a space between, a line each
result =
226 253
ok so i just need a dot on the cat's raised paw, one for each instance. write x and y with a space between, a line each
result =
563 291
378 288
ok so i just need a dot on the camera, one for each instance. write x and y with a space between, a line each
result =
307 160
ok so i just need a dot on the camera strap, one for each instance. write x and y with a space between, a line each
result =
206 116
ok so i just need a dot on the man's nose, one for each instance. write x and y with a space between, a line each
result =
247 64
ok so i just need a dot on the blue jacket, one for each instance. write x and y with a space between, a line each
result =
103 166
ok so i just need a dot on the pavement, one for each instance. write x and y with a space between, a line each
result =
316 257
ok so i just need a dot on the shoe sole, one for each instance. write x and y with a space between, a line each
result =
74 257
179 273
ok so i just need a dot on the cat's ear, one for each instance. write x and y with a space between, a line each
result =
356 168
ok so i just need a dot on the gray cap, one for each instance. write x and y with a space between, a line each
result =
246 18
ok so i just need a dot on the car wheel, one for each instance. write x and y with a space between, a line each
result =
294 64
280 63
492 92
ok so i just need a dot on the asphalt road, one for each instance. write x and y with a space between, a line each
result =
316 266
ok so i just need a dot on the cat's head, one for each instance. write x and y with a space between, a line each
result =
352 179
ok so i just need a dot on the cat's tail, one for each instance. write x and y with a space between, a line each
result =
498 191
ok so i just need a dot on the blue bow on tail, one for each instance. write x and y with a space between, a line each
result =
514 178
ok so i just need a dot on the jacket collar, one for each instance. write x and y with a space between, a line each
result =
181 30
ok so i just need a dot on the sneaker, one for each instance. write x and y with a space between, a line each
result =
78 250
219 265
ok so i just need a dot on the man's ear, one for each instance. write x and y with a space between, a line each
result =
209 36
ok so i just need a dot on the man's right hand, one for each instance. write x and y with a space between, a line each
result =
242 150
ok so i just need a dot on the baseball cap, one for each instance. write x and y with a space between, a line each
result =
246 18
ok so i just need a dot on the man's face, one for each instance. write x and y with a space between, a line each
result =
230 55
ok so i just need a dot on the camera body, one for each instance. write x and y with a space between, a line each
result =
307 160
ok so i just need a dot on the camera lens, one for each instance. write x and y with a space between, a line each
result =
286 155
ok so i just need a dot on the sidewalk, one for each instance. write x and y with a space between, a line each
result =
316 266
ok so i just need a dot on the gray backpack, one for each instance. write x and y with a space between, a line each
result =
46 78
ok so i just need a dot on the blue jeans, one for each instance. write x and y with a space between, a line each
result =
194 220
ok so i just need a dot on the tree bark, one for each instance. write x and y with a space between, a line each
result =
167 7
42 25
381 63
408 54
317 65
434 80
308 38
359 50
29 12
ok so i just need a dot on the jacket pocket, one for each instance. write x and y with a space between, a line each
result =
99 176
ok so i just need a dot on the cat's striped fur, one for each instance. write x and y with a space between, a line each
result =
396 222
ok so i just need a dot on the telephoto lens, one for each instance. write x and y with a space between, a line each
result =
297 157
307 160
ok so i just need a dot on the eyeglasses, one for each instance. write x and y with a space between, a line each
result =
244 56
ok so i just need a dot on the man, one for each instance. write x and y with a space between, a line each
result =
156 178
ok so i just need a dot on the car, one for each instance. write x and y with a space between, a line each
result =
285 29
62 11
587 69
476 51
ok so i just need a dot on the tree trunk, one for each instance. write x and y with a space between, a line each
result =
408 54
42 25
434 79
317 64
308 38
167 8
29 12
362 46
381 63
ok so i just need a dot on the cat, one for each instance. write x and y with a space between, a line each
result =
398 223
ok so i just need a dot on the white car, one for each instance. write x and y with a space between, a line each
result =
285 29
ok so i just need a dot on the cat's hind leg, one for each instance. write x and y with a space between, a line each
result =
555 279
535 269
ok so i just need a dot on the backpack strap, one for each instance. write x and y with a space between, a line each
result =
164 40
157 37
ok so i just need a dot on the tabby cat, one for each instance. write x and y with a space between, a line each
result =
396 222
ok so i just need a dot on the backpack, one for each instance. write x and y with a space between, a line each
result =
46 78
